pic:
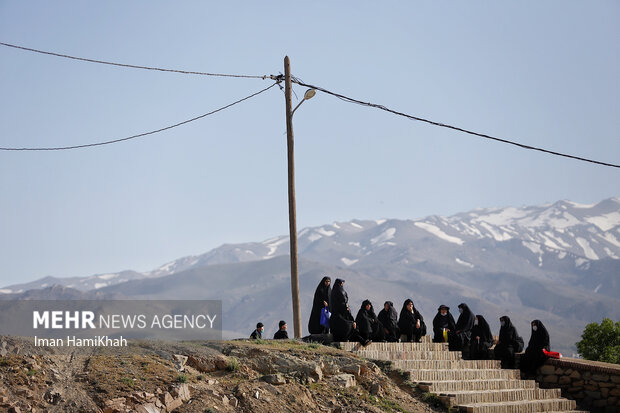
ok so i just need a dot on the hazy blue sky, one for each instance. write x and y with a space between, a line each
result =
542 73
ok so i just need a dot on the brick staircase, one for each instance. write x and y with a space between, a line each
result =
472 386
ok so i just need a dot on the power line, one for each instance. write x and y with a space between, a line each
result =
61 148
443 125
103 62
278 79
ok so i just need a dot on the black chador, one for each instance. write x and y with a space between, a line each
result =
341 322
508 344
481 339
534 356
459 339
443 320
338 300
389 319
321 299
368 324
411 322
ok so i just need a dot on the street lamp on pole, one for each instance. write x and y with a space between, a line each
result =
292 214
307 96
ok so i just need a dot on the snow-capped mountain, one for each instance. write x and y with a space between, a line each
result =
559 263
564 236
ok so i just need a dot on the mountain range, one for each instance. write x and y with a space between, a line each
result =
559 263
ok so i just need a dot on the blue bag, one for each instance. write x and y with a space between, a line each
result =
325 315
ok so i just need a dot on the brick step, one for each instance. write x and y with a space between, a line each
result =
497 396
524 406
446 364
425 346
409 355
464 374
443 386
426 339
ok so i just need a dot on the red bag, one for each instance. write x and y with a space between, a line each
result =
552 354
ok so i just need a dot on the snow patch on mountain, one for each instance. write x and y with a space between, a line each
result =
551 218
502 217
580 206
580 261
166 267
550 243
606 221
107 276
439 233
386 235
532 246
498 236
587 249
273 246
348 262
557 239
611 254
464 263
325 232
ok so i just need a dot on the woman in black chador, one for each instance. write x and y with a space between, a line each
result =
341 322
443 320
411 322
508 344
481 339
459 339
321 300
368 324
389 318
534 356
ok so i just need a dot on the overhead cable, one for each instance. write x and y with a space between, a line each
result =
443 125
103 62
61 148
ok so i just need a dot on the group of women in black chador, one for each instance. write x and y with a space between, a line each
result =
367 326
470 334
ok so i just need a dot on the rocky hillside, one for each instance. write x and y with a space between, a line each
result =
237 376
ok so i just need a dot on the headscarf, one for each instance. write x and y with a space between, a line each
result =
482 330
466 319
339 299
322 293
507 333
365 318
363 307
407 319
406 303
440 321
539 338
391 314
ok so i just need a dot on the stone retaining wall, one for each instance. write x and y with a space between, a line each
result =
595 386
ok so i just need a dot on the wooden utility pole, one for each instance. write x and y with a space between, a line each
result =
292 215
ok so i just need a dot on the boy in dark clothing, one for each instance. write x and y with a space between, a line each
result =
281 334
258 333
